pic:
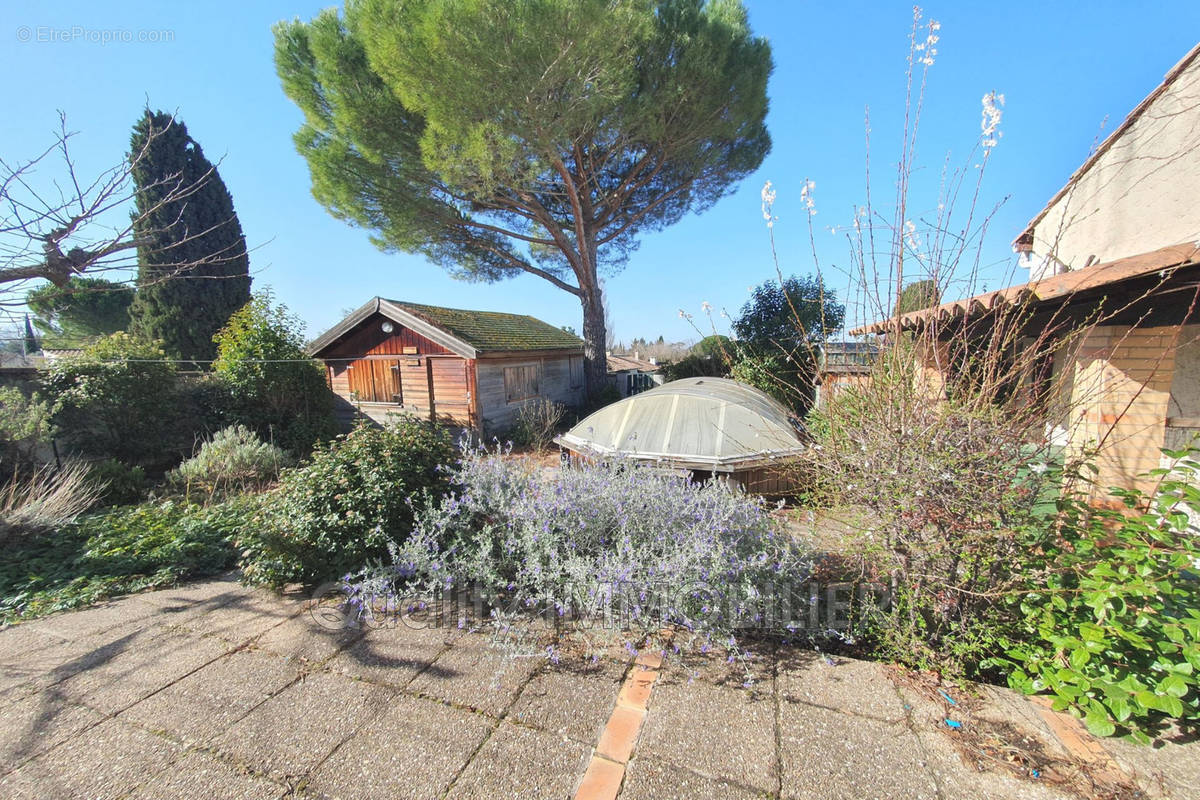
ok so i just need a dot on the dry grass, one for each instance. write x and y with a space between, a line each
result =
48 499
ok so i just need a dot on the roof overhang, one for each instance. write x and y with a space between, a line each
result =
396 314
1058 287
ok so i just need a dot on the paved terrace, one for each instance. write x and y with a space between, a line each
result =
214 691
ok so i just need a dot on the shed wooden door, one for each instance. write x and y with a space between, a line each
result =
414 375
376 380
451 392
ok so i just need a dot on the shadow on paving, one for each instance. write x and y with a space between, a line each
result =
23 737
257 686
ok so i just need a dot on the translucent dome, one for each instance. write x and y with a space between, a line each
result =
698 423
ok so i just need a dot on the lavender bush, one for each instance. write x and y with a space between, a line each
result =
607 544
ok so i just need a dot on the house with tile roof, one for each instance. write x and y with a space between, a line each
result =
470 369
629 374
1113 297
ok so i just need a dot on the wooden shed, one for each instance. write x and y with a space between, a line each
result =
473 369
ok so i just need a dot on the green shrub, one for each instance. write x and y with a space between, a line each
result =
116 552
1110 625
273 386
344 507
119 484
607 395
234 460
788 383
117 399
24 425
696 365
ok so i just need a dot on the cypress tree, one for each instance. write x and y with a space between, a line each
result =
32 345
193 269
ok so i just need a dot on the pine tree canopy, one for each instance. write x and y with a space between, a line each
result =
542 136
193 269
84 309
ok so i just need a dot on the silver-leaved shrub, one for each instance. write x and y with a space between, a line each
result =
607 544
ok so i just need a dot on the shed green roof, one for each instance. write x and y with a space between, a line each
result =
494 330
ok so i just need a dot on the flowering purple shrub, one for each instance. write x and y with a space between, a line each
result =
608 544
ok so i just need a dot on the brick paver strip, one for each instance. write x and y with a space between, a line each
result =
602 781
1078 742
606 770
616 742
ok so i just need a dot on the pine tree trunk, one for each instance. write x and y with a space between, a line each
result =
594 340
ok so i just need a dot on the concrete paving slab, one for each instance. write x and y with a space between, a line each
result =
199 776
649 778
127 614
105 763
201 706
38 722
393 656
1166 769
294 731
968 781
476 674
113 684
47 666
574 699
238 621
213 592
413 749
964 782
1003 705
300 637
17 640
848 685
714 730
522 762
947 767
28 653
14 685
830 755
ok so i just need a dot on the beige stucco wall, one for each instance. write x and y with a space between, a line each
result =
1140 195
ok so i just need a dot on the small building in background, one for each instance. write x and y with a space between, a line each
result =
18 369
843 365
629 374
52 354
469 369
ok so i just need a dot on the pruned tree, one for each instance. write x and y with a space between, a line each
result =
780 330
56 223
789 318
540 137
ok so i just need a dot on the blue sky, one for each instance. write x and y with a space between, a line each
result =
1070 71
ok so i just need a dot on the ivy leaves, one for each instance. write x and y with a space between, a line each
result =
1114 635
